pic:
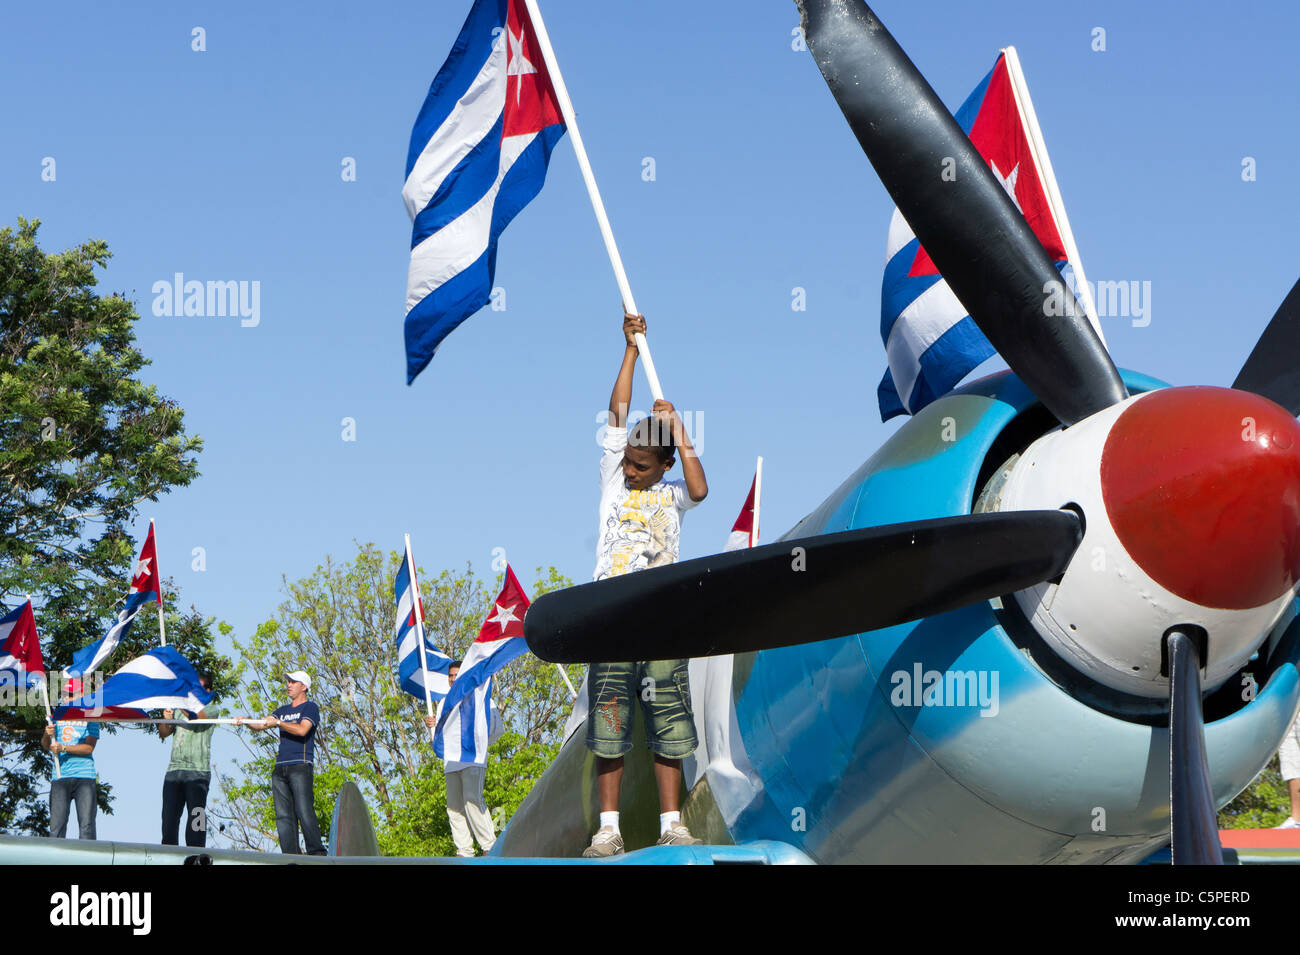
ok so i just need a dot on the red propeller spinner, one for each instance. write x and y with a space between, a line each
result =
1202 486
1191 498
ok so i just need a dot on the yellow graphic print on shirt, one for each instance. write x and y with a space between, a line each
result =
645 525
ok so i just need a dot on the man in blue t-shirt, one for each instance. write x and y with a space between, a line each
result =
292 781
72 743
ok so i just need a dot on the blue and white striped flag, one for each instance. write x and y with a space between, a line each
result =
407 591
161 679
467 726
478 155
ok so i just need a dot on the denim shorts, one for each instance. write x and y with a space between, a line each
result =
664 689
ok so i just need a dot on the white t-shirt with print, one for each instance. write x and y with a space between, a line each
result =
638 529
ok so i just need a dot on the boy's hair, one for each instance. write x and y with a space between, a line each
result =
654 434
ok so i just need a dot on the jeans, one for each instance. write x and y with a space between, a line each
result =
663 688
185 791
293 787
62 792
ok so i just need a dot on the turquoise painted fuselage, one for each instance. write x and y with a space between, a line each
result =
853 761
857 765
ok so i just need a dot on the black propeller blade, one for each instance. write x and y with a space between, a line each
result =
1193 822
801 591
1273 368
963 217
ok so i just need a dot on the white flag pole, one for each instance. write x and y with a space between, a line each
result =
602 220
49 715
758 494
162 623
50 711
564 676
419 633
1020 89
214 721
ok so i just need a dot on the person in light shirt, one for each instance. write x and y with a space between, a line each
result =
466 810
72 744
641 515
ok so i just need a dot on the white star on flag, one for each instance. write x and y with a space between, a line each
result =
1009 183
142 566
504 616
518 65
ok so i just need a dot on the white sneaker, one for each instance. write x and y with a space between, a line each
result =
606 842
678 835
1289 824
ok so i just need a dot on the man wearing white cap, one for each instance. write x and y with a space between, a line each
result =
292 781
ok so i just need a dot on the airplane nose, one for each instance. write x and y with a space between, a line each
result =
1202 487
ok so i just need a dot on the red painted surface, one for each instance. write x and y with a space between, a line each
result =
1202 486
1260 838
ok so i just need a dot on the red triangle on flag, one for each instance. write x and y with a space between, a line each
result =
506 619
998 134
531 104
144 577
22 643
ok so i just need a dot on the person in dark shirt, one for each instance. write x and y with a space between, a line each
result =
292 780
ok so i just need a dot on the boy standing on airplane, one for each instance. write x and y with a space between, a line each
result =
640 526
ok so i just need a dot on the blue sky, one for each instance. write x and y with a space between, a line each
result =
226 165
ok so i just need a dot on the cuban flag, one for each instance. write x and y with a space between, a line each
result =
466 717
20 648
410 675
478 155
161 679
144 588
744 533
930 341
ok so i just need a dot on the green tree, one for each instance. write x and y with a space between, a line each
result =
1263 804
83 442
338 625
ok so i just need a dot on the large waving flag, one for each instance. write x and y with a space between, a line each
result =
144 588
930 341
161 679
20 648
409 626
465 722
478 155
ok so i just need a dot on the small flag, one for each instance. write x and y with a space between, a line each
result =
743 532
20 648
930 341
144 588
478 155
464 723
410 675
161 679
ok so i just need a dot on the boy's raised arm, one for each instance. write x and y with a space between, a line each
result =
620 399
692 470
